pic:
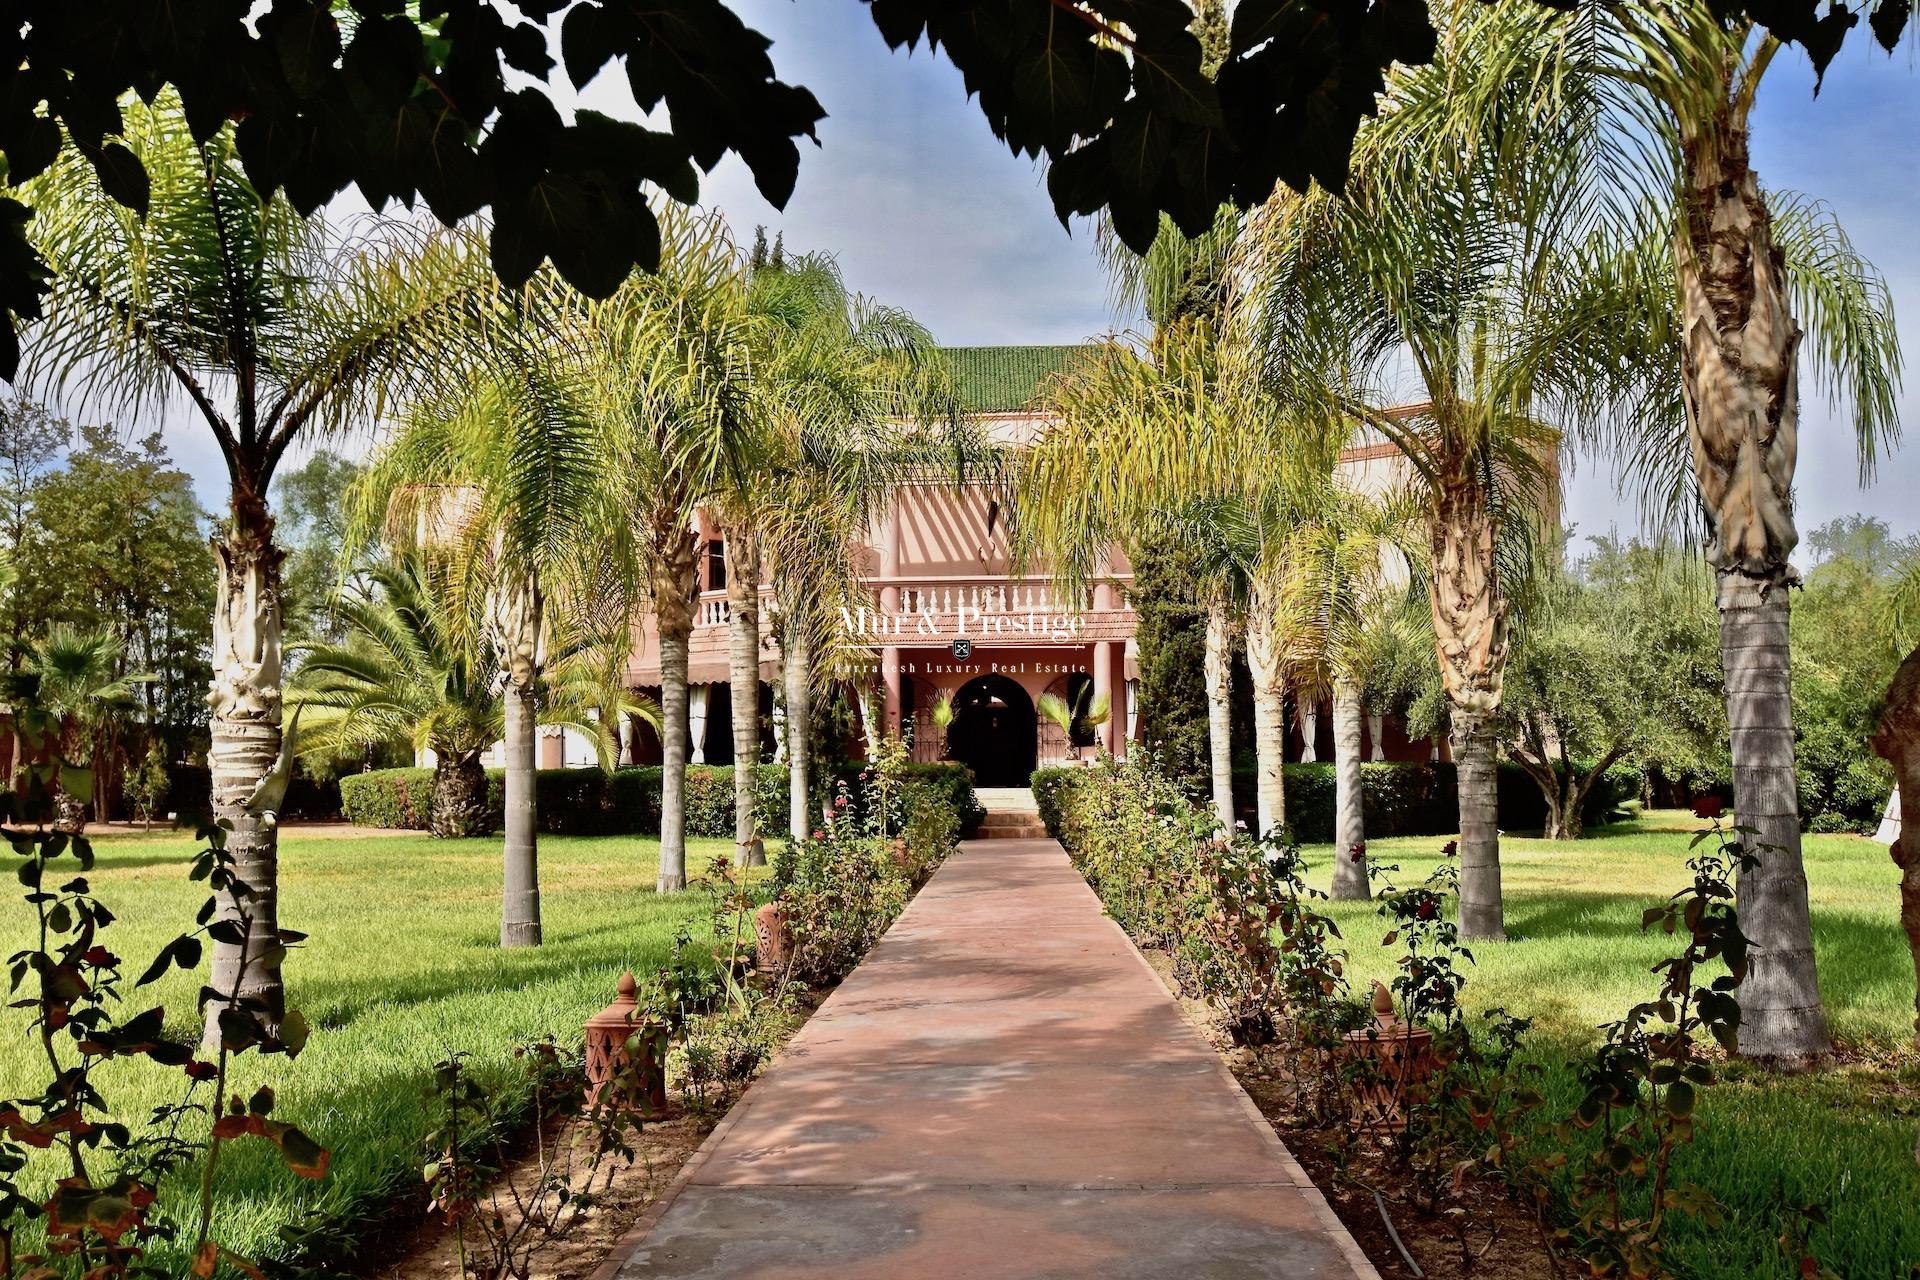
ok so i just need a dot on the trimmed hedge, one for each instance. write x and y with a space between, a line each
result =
588 802
1402 799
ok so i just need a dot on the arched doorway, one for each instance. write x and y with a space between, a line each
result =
992 731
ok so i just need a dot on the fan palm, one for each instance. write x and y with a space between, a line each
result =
81 686
269 328
414 669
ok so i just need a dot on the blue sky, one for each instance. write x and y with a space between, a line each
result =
926 210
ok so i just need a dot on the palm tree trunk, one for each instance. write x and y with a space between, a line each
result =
1350 881
1482 913
245 745
1739 361
1219 673
1782 1019
459 805
520 856
673 611
743 672
796 663
1897 740
1470 639
1269 706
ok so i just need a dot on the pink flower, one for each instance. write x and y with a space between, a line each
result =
840 802
819 835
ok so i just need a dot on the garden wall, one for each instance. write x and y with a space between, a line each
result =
627 802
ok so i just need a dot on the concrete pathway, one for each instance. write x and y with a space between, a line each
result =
1003 1089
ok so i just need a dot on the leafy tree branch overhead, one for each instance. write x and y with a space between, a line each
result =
443 102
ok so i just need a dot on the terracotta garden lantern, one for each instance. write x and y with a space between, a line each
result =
1394 1057
771 939
612 1037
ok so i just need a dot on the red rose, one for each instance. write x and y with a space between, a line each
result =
1358 852
1450 848
1708 807
99 957
197 1070
1427 910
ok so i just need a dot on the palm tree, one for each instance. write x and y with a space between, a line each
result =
269 328
1182 283
1896 739
1177 445
1654 100
1475 259
667 366
414 669
1747 272
1341 570
507 475
854 403
80 685
409 671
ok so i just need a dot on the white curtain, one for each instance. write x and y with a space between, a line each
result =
780 723
697 720
873 711
1309 730
1376 730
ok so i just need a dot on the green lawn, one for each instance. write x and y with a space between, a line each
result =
1577 959
402 968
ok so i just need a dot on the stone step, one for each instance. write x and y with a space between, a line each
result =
1012 824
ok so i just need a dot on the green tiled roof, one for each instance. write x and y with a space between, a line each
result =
1006 379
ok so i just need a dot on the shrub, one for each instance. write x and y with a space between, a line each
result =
953 781
929 830
1050 787
395 798
1412 799
588 801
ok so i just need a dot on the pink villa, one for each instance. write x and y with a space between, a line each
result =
950 619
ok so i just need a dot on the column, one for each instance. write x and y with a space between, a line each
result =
1103 689
890 674
890 554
